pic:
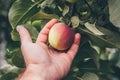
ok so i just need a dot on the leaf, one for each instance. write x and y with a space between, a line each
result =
94 55
15 35
86 60
21 11
37 24
93 28
10 47
105 67
87 52
114 56
109 39
75 21
90 76
118 63
65 10
32 30
87 65
17 59
9 76
114 11
46 3
42 15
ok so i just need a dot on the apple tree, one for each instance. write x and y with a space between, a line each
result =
98 22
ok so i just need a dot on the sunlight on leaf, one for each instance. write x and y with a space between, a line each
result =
75 21
65 10
90 76
114 11
93 28
47 3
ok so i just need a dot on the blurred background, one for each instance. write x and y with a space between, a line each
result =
4 34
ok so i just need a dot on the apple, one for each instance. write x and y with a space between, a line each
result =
61 36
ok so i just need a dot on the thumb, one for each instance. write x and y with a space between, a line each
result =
24 34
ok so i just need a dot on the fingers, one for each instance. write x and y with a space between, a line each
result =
74 48
24 34
43 35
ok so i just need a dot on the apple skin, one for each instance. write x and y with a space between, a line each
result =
61 36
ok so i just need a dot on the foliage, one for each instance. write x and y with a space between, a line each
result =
95 20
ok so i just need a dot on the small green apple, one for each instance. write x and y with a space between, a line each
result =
37 24
61 36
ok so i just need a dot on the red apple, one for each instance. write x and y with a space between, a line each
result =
61 36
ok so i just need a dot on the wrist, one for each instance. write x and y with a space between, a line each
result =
28 75
34 72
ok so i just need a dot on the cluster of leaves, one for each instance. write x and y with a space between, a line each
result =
95 20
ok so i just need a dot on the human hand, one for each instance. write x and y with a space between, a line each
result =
42 61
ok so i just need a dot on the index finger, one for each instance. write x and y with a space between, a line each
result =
43 35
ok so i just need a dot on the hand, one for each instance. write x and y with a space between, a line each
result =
42 61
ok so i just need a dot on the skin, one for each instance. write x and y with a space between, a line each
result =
42 61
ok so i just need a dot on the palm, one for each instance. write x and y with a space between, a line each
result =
59 61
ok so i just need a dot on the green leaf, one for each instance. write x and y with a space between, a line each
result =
75 21
88 65
37 24
105 67
114 56
42 15
21 11
65 10
114 11
32 30
94 55
9 76
118 63
15 35
87 52
109 39
93 28
17 59
46 3
10 48
90 76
